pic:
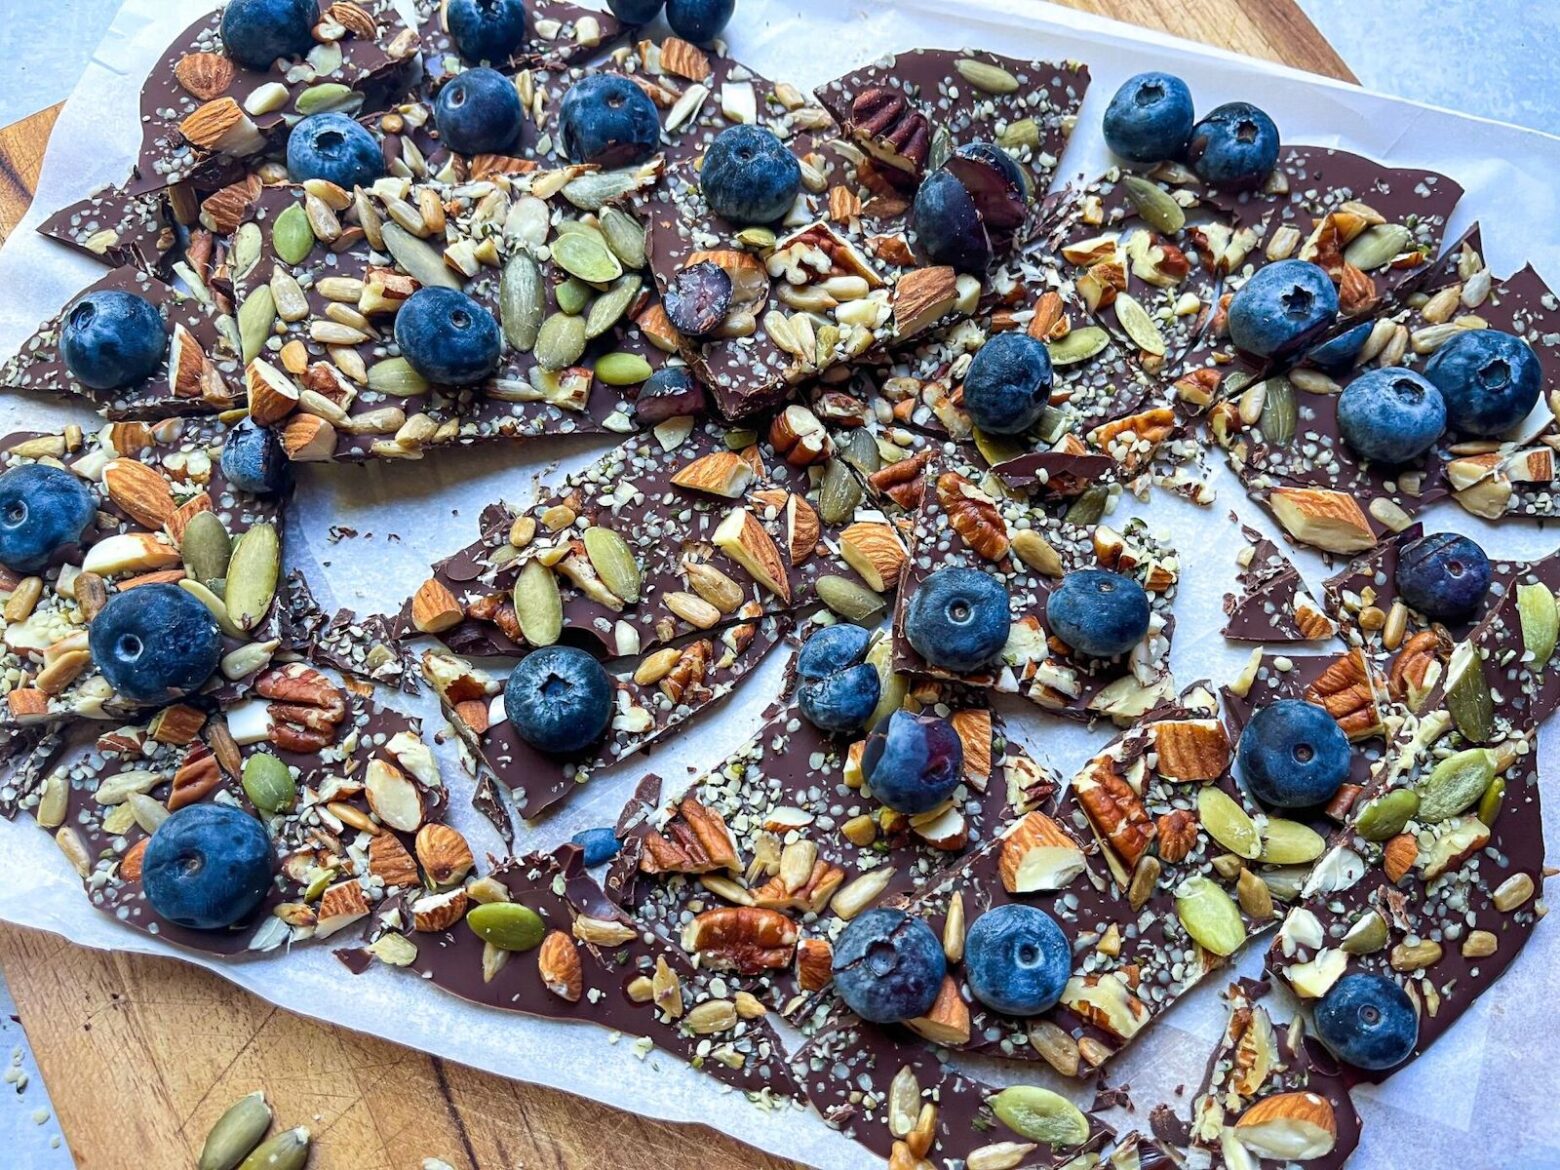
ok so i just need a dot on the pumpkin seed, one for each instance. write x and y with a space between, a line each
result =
288 1150
608 309
1385 816
269 784
1280 415
839 494
1023 132
538 604
853 602
252 574
1540 619
622 369
586 255
892 686
1290 843
1139 325
759 239
509 926
593 191
247 243
1366 936
396 377
614 562
941 149
1489 804
573 295
1210 916
521 302
206 547
860 450
995 449
1078 346
291 236
1454 784
236 1133
1468 698
1039 1115
1088 507
256 319
1377 245
986 77
560 342
1154 205
318 99
214 605
1228 824
418 258
625 236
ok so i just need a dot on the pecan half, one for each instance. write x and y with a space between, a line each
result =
973 515
684 683
695 841
1348 692
307 708
746 939
893 130
1116 810
1415 669
903 482
1177 832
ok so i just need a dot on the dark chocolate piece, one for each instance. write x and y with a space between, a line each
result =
1274 603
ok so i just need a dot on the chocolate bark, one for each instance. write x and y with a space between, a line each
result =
1274 603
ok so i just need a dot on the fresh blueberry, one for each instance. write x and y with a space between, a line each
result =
1236 146
447 337
948 226
1391 415
1490 380
670 392
207 867
478 112
699 21
839 690
749 176
559 699
1444 576
43 510
1098 613
606 119
1368 1021
998 185
335 148
1293 754
913 763
1008 385
1150 118
1283 308
958 619
888 966
636 11
600 845
698 298
1017 960
1339 353
486 30
256 32
155 643
112 339
254 461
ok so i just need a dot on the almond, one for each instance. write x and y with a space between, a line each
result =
1398 856
814 964
742 538
799 437
444 854
948 1021
922 297
396 801
434 607
141 493
558 963
873 549
341 905
685 60
1294 1126
1037 854
272 394
389 861
720 473
204 75
1329 520
220 125
434 913
974 728
308 438
802 528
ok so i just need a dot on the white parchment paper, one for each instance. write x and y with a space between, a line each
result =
1484 1097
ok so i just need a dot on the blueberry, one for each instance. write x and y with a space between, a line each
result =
607 119
635 11
1293 754
207 867
559 699
256 32
749 175
486 30
913 762
1150 118
1098 613
959 619
1283 308
1391 415
1444 576
1368 1021
447 337
254 461
996 183
1017 960
1008 384
43 511
1236 146
600 845
670 392
1490 380
155 643
335 148
699 21
947 225
839 690
478 112
888 966
1339 353
698 298
112 339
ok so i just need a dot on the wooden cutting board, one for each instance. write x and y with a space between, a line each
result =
141 1055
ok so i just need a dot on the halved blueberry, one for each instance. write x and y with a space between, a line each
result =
838 689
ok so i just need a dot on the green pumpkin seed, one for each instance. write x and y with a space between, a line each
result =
614 562
740 438
1078 346
319 99
509 926
860 450
396 377
593 191
538 604
839 494
995 449
941 149
394 950
214 605
986 77
1154 205
1140 327
622 369
522 303
1088 507
1454 784
852 601
1023 132
269 784
1280 414
560 342
1385 816
1290 843
1227 823
247 244
237 1132
417 258
288 1150
1468 697
206 547
1210 916
892 687
586 256
1039 1115
756 239
1489 804
573 295
1366 936
253 571
625 236
1540 619
1377 245
256 319
291 236
608 309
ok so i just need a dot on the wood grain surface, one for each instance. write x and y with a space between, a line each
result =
141 1055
